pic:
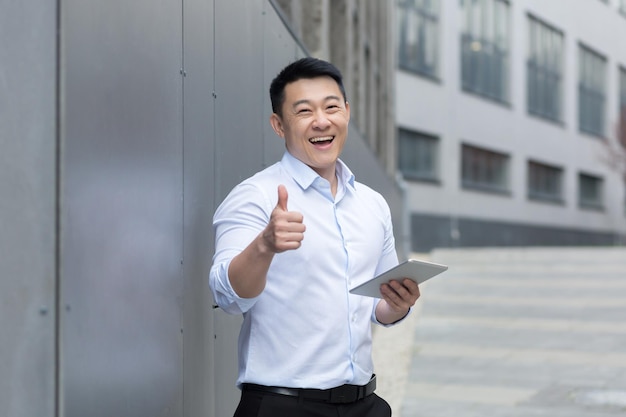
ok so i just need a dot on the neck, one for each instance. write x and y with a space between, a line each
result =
331 177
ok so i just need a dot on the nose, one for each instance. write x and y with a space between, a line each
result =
320 120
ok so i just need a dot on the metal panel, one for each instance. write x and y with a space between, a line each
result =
241 95
433 231
200 380
239 54
281 48
27 207
121 235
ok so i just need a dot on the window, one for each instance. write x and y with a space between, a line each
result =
622 89
591 91
545 70
484 48
484 170
419 36
544 182
418 155
590 191
622 107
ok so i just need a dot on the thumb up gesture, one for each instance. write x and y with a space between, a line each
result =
285 230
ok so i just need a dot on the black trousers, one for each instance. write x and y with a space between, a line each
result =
264 404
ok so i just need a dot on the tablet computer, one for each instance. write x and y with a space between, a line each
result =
418 271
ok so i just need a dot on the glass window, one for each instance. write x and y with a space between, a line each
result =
484 169
590 191
622 107
622 89
544 182
419 36
591 91
545 70
485 48
418 155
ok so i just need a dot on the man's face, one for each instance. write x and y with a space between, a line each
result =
314 123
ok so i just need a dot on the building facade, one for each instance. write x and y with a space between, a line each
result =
507 118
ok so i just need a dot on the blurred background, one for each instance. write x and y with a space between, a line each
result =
506 114
485 123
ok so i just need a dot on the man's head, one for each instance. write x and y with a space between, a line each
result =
311 113
303 68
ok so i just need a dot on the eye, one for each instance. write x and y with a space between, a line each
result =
303 111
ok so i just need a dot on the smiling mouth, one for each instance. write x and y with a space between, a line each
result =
322 140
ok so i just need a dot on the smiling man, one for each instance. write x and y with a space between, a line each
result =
290 242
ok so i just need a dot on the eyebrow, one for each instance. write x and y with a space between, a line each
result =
305 101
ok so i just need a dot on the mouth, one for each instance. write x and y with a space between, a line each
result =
321 140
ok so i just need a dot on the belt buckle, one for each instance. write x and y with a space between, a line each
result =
344 395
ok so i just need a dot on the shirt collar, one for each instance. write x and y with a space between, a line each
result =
305 176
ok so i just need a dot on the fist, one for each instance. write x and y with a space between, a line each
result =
285 230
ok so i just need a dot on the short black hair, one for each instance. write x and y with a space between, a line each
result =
303 68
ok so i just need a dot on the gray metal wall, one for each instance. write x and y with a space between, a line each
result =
27 208
121 208
162 108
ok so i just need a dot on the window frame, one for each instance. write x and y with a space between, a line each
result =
592 91
536 169
544 71
427 141
485 162
428 33
485 47
597 203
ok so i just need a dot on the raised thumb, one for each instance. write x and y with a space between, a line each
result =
282 197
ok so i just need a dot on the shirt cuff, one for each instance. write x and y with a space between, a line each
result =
375 319
224 294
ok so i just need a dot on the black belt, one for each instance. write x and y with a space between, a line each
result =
338 395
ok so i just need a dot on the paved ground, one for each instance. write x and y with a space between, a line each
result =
510 333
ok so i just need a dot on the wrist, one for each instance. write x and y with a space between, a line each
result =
387 315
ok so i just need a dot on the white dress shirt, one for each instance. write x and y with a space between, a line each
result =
305 330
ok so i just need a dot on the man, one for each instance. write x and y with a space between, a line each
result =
290 242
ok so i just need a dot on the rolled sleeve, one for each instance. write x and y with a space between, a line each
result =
375 320
224 294
237 221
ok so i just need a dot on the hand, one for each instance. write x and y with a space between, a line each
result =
285 230
400 296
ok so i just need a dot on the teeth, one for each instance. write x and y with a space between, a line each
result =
322 139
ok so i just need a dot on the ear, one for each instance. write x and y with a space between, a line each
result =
348 110
277 125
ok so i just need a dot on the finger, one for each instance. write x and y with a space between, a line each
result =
411 286
391 296
406 291
282 197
